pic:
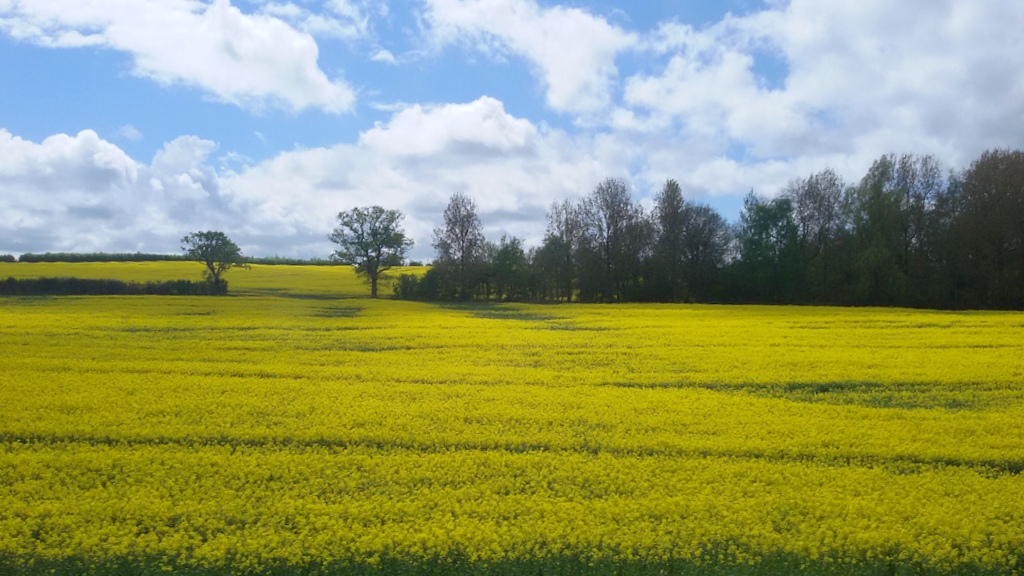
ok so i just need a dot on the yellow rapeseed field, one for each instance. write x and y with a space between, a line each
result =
296 426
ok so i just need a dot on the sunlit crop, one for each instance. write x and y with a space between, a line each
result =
289 428
258 279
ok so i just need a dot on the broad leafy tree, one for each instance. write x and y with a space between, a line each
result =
371 239
769 255
880 276
510 269
216 251
821 226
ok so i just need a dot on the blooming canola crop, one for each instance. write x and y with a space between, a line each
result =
323 433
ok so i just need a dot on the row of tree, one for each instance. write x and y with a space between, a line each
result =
65 286
908 234
97 257
150 257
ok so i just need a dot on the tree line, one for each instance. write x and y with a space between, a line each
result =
65 286
149 257
212 248
909 233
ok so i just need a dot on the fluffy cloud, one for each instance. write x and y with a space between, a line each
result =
926 75
251 60
56 191
83 193
756 100
482 124
385 56
573 51
860 79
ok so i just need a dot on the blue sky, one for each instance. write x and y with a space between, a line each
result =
125 124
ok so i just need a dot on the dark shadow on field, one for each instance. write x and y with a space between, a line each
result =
515 312
284 293
34 298
716 559
902 464
905 395
497 311
339 312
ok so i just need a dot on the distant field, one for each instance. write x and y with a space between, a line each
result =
297 428
327 281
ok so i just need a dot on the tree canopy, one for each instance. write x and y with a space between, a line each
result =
216 251
371 239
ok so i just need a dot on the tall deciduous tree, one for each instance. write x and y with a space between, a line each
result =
706 240
990 229
821 224
878 227
509 268
216 251
670 215
920 182
768 247
561 247
371 239
460 244
617 238
691 247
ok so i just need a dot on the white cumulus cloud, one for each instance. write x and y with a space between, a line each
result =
250 60
481 124
806 84
82 193
571 50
